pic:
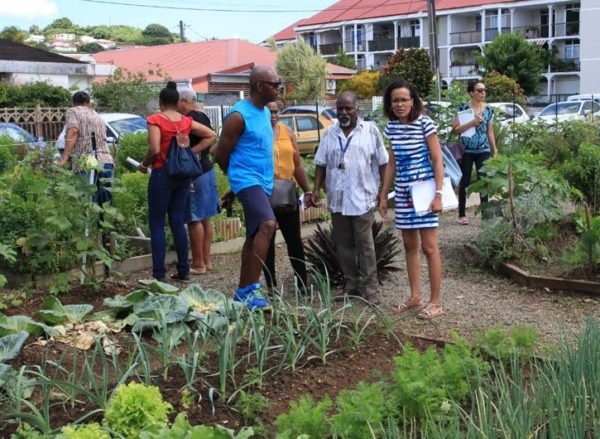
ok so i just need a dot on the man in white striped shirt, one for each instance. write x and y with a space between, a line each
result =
351 159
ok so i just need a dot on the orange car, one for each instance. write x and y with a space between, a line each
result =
308 128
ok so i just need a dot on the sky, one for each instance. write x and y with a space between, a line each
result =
253 20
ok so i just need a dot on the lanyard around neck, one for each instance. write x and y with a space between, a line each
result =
343 147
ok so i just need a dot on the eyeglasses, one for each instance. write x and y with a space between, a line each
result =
481 90
273 84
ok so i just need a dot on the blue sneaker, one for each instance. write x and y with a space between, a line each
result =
251 296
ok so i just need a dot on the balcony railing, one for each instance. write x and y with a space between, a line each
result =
458 71
350 46
408 42
492 32
570 28
469 37
529 32
330 49
379 44
566 65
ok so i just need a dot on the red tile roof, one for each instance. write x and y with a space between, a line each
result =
346 10
286 34
190 60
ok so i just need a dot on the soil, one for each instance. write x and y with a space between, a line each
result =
474 299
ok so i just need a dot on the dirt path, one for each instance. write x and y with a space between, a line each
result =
474 299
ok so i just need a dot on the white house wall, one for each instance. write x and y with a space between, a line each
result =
590 48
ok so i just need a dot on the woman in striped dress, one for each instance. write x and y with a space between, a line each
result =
416 155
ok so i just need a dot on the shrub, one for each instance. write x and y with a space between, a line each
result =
413 65
583 172
131 200
130 145
501 88
321 253
7 159
134 407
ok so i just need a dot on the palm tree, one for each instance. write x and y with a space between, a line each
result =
303 70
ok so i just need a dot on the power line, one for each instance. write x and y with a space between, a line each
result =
262 11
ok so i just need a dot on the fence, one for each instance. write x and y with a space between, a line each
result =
46 122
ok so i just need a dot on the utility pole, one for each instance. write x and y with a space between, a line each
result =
433 46
181 31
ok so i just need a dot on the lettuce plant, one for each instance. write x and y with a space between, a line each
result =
134 407
87 431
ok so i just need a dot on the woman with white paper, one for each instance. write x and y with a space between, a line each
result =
415 156
474 125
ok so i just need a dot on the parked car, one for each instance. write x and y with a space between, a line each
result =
117 125
585 97
568 110
309 129
328 112
19 135
509 112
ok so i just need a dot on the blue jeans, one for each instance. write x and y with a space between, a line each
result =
468 159
167 197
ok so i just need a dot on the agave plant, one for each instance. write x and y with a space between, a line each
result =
321 253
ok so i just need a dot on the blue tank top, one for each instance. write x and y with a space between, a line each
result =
251 161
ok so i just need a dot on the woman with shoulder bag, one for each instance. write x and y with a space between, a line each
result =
288 166
166 195
479 146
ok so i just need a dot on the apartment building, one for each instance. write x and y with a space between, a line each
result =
372 30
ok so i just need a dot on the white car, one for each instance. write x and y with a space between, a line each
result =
569 110
117 125
509 112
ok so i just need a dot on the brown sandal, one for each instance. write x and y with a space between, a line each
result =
431 311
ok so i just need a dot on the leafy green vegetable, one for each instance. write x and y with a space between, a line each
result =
156 286
55 312
135 406
10 345
15 324
126 302
182 429
88 431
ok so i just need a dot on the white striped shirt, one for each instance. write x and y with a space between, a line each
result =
352 178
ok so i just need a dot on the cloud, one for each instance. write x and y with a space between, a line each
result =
28 8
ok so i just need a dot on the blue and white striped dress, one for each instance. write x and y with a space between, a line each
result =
413 163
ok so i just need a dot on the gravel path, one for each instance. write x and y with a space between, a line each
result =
474 299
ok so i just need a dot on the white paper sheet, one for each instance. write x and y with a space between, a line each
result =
422 193
464 117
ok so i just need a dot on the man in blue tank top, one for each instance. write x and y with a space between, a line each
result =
245 153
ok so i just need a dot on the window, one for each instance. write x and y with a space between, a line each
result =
595 107
415 28
571 49
287 121
307 124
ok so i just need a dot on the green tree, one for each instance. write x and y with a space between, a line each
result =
513 56
126 34
34 29
501 88
90 48
13 33
60 23
364 84
413 65
303 70
101 32
344 60
155 34
125 92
